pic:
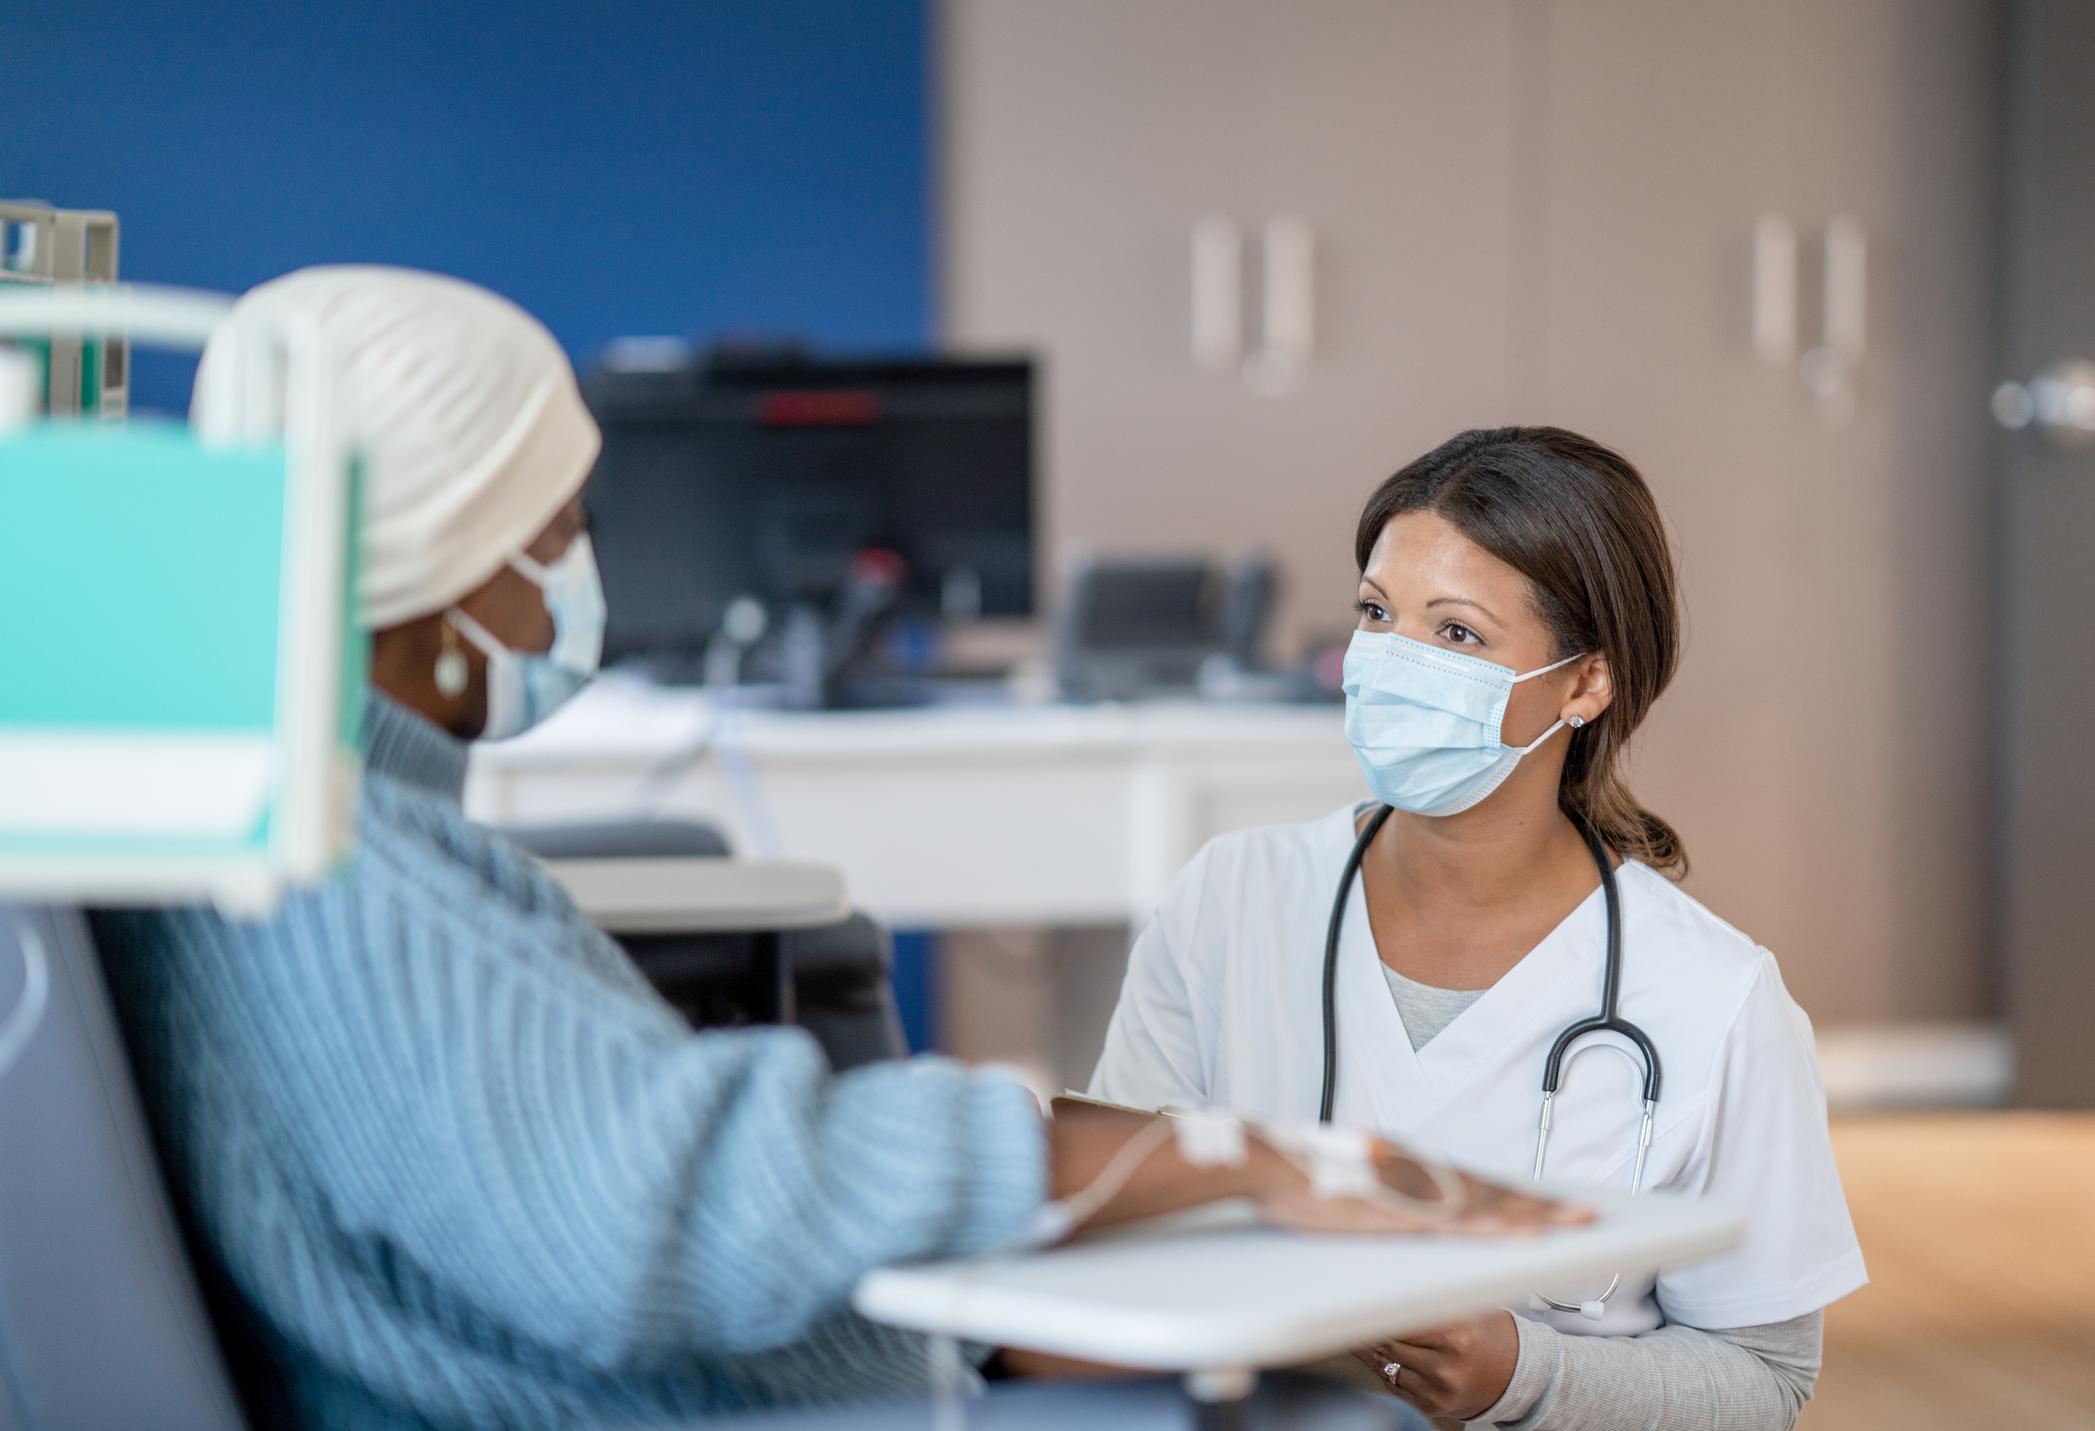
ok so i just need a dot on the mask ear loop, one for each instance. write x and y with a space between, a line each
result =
538 573
542 574
531 569
1532 746
524 565
1552 666
1573 721
490 645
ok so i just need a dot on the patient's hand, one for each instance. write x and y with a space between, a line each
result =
1087 1139
1482 1208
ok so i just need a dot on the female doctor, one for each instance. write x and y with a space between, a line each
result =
1412 964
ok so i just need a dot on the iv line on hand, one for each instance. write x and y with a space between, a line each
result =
1337 1162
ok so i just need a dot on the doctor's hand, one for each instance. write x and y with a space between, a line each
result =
1459 1370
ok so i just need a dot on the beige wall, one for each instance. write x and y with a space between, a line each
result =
1542 212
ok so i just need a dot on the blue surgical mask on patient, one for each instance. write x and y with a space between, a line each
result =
524 687
1424 722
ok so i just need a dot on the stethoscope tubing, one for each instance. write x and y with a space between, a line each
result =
1609 1019
1332 929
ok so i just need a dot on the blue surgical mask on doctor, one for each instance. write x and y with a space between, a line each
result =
1424 722
524 687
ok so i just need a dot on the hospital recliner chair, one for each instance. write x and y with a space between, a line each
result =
102 1321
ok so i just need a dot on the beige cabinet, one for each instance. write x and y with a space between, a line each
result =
1086 142
1570 211
1895 123
1764 258
1645 183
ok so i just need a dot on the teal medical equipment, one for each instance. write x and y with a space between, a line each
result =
181 683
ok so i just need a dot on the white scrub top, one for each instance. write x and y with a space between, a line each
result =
1223 1009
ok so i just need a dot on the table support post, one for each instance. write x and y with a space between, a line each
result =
774 976
1219 1396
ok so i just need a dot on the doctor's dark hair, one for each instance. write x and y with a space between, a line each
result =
1577 520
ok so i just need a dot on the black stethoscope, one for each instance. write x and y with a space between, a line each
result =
1607 1021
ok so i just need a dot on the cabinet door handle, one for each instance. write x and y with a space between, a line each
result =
1846 330
1828 370
1218 294
1289 313
1775 290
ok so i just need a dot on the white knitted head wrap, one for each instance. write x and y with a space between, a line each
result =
465 415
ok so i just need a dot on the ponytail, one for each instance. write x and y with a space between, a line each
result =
1625 826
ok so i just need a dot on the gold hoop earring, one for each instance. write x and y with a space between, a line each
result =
451 669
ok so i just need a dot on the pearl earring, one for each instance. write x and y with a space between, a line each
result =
451 671
1577 721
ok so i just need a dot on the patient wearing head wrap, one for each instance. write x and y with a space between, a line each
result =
463 409
448 1159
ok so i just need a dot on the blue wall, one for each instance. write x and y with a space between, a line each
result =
698 168
694 168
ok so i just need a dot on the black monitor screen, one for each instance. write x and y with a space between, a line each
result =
771 478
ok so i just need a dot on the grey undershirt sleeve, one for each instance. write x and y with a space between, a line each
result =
1677 1378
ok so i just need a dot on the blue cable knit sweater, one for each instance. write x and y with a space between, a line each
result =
458 1165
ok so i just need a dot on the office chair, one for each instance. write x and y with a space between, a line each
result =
837 978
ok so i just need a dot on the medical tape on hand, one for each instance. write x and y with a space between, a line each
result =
1340 1162
1207 1139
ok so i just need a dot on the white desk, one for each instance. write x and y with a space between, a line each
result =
1057 819
685 896
940 818
1047 831
1219 1293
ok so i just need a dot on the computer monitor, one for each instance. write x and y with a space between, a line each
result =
769 477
